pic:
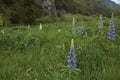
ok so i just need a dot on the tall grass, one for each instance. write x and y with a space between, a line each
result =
34 54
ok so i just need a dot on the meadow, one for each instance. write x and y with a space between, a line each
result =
34 54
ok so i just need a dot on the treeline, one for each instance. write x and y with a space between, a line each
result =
27 11
17 11
86 7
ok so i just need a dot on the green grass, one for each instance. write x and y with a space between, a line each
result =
33 54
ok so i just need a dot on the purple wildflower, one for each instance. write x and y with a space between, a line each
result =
81 30
111 30
72 57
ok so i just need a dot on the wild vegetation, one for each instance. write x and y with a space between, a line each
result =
35 40
33 11
35 54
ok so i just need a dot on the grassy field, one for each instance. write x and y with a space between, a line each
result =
34 54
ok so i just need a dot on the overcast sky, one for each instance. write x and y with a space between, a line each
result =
117 1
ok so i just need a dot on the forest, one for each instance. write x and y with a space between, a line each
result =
34 11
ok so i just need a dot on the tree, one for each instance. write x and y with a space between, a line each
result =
6 9
17 11
29 12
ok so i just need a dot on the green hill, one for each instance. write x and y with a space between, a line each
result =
85 7
26 12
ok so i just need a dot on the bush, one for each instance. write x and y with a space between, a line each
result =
67 17
48 19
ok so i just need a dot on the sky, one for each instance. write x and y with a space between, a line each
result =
117 1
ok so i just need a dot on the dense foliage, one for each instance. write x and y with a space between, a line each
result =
27 11
17 11
86 7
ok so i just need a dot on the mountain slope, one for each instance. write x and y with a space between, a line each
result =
86 7
108 3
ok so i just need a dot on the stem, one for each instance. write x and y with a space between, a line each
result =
70 74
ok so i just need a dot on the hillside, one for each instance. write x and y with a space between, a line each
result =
109 3
35 9
86 7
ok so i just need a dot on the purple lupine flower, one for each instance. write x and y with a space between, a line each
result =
74 66
111 30
69 61
72 57
81 30
68 66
